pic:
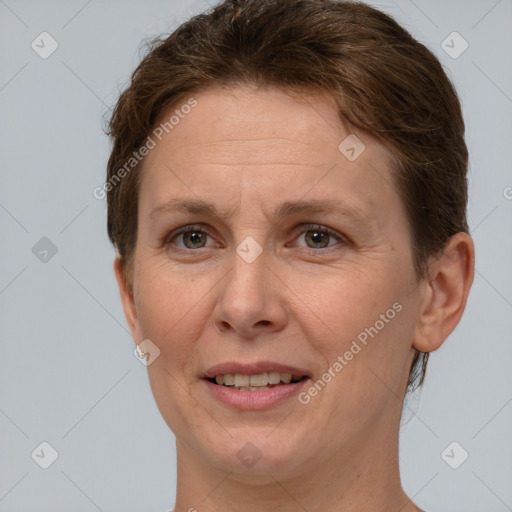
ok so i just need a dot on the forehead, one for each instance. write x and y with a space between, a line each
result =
238 121
264 138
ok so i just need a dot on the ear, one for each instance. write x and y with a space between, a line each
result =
127 300
446 293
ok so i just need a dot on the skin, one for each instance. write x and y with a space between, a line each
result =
247 151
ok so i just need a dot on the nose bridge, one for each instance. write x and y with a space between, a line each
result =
249 258
246 281
248 300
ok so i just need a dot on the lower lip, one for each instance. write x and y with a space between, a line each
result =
255 400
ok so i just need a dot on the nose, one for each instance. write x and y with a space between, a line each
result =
251 299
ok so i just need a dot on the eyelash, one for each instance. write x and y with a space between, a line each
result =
167 240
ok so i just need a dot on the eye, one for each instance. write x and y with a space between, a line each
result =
192 237
318 237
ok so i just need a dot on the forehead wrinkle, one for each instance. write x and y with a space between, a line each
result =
250 139
249 152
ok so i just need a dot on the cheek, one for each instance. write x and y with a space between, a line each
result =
346 302
171 310
365 319
365 363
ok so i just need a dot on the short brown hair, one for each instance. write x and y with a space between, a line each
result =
383 80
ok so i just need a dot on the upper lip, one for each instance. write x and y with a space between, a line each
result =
254 368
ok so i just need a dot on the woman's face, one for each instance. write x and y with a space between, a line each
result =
298 260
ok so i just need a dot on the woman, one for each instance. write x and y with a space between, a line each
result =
287 195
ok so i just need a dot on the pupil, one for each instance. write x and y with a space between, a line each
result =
316 237
194 237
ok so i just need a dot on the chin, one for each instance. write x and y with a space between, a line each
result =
256 452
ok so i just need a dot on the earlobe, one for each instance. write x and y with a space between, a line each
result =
446 293
127 298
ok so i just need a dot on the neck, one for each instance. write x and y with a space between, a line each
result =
360 479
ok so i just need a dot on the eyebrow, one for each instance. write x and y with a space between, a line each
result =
286 209
321 206
192 206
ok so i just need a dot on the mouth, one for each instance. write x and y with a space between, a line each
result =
254 386
256 382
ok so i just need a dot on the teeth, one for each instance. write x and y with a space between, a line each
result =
274 377
253 382
259 380
241 380
286 377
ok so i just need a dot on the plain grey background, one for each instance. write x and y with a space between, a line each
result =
68 376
